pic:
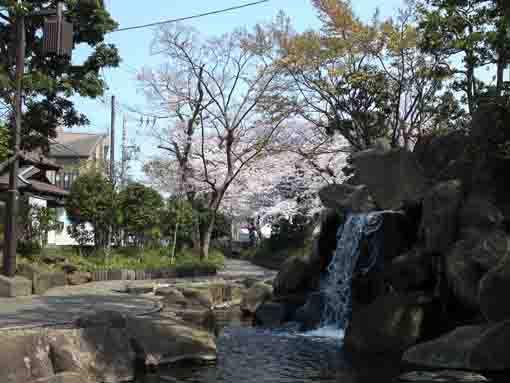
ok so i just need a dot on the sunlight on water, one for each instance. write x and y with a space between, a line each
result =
329 332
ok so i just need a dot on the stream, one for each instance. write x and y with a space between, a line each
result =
249 354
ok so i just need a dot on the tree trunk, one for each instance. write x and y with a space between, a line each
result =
205 237
174 244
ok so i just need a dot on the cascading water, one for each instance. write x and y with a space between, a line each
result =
336 286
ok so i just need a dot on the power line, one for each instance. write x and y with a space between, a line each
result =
190 17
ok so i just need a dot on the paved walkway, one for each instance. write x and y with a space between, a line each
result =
64 304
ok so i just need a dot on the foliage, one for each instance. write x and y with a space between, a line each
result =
475 31
4 142
34 222
28 247
289 233
131 258
51 80
92 199
140 207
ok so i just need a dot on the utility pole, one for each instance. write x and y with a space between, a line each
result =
124 150
9 259
112 142
55 40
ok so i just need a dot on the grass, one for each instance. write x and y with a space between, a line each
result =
264 255
133 259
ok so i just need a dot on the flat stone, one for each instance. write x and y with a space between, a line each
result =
64 377
443 376
15 287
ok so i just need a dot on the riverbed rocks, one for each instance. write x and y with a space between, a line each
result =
390 324
256 295
476 348
493 292
345 197
298 274
102 347
440 214
444 376
391 176
25 358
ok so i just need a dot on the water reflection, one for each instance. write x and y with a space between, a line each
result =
254 355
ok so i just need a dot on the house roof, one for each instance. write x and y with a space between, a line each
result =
27 184
75 144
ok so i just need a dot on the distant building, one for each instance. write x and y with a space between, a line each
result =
74 152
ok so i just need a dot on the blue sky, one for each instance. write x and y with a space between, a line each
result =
134 45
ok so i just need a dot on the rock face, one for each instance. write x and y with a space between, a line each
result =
345 197
163 341
411 271
440 215
443 157
478 348
24 358
270 314
493 292
102 354
390 324
255 296
309 315
65 377
392 177
463 275
479 214
298 274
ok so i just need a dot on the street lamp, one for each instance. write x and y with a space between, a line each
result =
58 39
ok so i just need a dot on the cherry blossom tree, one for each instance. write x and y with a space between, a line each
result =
215 95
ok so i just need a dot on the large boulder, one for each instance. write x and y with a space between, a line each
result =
102 354
463 274
392 177
477 348
411 271
325 246
390 324
443 157
491 249
161 341
270 314
64 377
440 215
345 197
253 297
493 292
25 358
309 315
479 214
298 274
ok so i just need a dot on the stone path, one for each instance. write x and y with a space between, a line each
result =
64 304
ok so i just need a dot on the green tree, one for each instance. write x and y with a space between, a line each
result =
178 222
51 80
141 209
92 199
473 31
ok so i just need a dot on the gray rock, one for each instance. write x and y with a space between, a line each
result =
463 275
392 177
270 314
474 348
101 354
24 358
64 377
439 223
355 199
480 214
256 295
443 377
297 274
162 341
78 278
493 292
411 271
309 315
103 318
491 250
390 324
15 287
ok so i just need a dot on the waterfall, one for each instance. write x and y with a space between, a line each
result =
336 286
